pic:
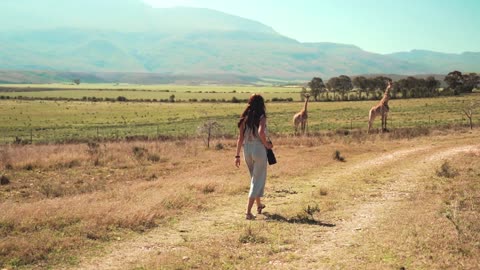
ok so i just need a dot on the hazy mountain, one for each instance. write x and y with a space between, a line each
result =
441 62
129 36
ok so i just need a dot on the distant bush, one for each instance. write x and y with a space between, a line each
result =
275 99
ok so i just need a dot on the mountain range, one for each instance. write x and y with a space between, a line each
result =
128 36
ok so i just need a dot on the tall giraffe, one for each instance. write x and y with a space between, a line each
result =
301 117
381 109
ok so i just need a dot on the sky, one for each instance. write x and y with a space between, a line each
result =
380 26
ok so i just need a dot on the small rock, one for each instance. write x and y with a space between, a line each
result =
185 258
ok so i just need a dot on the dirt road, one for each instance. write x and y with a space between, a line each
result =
321 245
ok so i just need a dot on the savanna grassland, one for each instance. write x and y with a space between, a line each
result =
177 205
338 198
61 120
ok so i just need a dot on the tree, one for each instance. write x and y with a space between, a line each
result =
454 81
369 86
432 86
316 87
402 85
468 110
379 84
470 81
76 81
332 85
208 130
171 98
411 85
344 85
360 83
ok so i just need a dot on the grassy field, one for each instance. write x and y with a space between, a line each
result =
176 205
47 121
158 92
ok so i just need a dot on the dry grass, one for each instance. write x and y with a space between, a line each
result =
62 200
437 228
94 196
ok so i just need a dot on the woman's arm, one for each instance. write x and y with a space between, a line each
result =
261 133
239 145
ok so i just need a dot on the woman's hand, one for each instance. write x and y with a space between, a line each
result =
269 145
237 162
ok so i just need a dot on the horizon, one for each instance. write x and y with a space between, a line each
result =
374 19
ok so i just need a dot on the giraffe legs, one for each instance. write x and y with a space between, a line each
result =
371 117
384 123
295 124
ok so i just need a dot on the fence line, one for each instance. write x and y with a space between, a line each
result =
153 131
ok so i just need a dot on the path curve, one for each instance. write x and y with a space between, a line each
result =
129 253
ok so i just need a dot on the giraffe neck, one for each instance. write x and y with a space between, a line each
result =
386 97
305 106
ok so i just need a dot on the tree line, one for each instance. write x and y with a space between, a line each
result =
363 88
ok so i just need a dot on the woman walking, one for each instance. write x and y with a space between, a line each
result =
253 138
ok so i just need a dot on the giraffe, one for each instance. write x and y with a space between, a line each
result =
301 117
380 109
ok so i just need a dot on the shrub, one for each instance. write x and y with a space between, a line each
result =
93 148
139 151
52 191
153 157
337 156
28 167
447 171
4 180
69 164
311 210
219 146
249 235
208 188
306 215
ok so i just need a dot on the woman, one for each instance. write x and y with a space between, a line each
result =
253 137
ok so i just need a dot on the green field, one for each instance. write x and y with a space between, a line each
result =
47 121
136 92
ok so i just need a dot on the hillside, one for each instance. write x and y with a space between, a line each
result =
54 35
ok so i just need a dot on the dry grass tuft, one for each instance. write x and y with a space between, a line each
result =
446 170
253 235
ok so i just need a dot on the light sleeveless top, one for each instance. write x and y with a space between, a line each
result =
253 136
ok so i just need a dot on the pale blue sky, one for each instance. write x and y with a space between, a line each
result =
381 26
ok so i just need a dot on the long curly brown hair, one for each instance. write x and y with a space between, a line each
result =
252 114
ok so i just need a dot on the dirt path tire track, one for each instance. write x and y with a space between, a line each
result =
130 253
365 215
